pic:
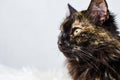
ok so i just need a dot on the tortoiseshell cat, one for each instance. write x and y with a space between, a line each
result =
90 41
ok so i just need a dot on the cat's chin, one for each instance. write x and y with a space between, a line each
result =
68 49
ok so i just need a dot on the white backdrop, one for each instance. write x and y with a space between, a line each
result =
29 30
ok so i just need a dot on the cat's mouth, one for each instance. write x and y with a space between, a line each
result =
80 45
64 45
67 46
71 50
68 49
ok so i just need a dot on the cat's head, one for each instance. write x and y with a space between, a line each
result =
81 26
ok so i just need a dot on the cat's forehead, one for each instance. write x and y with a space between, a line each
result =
76 20
80 19
78 15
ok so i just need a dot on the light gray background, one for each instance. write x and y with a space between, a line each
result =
29 30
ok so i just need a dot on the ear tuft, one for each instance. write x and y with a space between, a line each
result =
98 11
71 9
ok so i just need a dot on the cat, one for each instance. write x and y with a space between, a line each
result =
90 42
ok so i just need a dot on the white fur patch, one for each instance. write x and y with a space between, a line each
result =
7 73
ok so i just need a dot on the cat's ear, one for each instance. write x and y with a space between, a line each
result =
71 9
98 11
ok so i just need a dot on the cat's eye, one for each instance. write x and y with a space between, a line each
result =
76 32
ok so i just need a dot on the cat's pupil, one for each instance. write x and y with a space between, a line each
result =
77 31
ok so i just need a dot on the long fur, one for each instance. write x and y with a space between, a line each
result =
94 52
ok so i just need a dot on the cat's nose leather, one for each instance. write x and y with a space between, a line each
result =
59 43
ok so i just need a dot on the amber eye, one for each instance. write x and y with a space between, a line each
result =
76 32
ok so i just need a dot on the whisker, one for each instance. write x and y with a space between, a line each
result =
87 59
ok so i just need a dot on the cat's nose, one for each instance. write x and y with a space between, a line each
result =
59 43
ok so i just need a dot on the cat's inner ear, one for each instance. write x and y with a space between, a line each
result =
71 9
98 11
